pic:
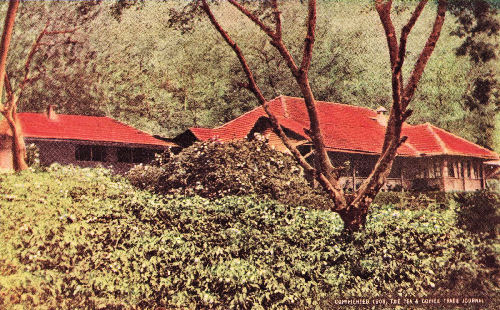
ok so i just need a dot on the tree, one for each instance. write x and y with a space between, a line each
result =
479 26
9 108
61 69
351 208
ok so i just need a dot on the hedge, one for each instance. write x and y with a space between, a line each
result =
82 238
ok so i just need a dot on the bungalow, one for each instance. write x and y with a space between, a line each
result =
82 140
430 158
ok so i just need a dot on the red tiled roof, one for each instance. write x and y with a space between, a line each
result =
347 128
433 140
88 128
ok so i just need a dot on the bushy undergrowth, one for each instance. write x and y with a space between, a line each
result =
479 212
81 238
214 170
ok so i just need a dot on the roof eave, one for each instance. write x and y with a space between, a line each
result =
111 143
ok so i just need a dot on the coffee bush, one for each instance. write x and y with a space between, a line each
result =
214 170
77 238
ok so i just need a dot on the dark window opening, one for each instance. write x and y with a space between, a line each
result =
437 169
90 153
124 155
422 172
451 169
460 169
363 170
135 155
395 172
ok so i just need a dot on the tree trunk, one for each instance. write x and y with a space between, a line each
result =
354 217
353 209
9 110
18 145
5 41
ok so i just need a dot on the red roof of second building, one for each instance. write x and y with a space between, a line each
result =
347 128
88 128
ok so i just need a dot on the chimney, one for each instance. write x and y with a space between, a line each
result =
381 116
51 112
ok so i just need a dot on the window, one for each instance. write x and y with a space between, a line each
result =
436 166
134 155
396 172
431 173
363 168
90 153
461 169
451 169
124 155
476 170
469 167
422 172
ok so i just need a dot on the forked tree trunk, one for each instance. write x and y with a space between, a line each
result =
353 209
9 109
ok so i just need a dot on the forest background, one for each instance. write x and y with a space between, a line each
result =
129 61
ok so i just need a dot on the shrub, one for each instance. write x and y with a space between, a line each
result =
32 156
214 170
82 238
413 200
145 176
479 212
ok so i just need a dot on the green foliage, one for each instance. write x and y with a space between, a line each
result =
214 170
413 200
479 212
82 238
32 156
161 79
479 26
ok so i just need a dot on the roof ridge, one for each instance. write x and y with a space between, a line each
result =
59 114
329 102
462 139
438 138
284 106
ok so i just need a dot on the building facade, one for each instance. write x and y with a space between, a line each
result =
430 158
86 141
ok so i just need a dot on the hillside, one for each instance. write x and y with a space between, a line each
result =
149 73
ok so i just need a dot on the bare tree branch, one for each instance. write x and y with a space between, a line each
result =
253 18
34 48
398 114
53 33
276 39
5 41
251 80
324 180
426 53
277 19
309 39
384 12
406 31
